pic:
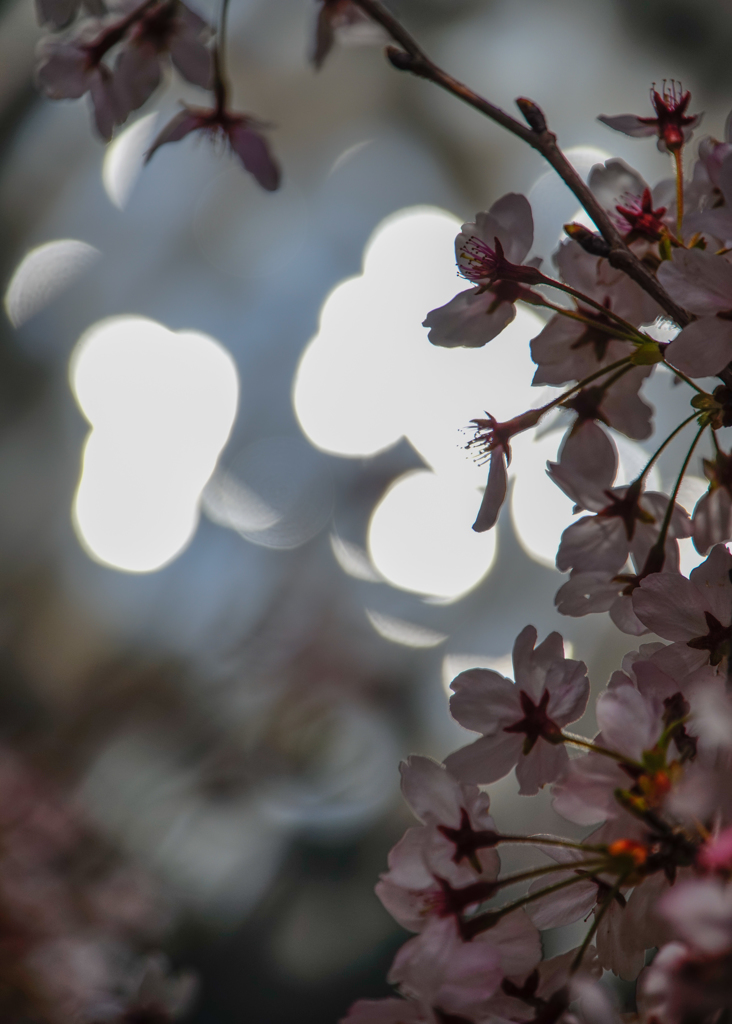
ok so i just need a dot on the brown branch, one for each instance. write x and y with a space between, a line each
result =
411 57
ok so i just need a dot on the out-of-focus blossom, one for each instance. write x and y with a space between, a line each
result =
340 19
672 124
490 252
240 133
521 722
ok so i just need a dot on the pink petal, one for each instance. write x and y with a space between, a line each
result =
593 543
670 605
511 221
586 592
714 584
465 320
700 281
703 348
629 124
431 791
626 721
614 180
486 760
484 701
494 494
182 124
253 151
192 59
136 75
712 519
544 764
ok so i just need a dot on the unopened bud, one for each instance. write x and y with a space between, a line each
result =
533 114
399 58
592 243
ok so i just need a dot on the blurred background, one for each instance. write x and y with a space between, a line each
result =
236 566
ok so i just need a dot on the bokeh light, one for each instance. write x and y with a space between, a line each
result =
161 405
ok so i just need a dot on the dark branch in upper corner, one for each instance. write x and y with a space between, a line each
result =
411 57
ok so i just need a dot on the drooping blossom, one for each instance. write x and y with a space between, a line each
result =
702 283
343 20
241 133
566 349
492 440
168 28
694 613
520 721
71 65
490 253
672 124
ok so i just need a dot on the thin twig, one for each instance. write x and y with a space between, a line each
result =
411 57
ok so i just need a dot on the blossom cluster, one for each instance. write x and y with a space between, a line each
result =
77 922
653 877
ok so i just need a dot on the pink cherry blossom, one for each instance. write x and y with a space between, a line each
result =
489 252
521 722
694 613
637 210
439 969
240 133
672 124
567 350
453 815
492 440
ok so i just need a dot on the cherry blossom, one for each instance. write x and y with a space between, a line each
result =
490 252
638 211
568 350
712 520
672 124
338 18
694 613
521 722
242 134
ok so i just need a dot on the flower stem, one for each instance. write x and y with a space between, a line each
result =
580 741
525 876
656 556
552 841
412 58
628 328
614 332
686 380
482 922
219 59
641 476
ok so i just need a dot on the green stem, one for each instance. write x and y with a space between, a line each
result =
583 383
219 59
679 190
663 444
599 914
579 741
586 300
476 925
686 380
637 338
551 841
656 555
525 876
